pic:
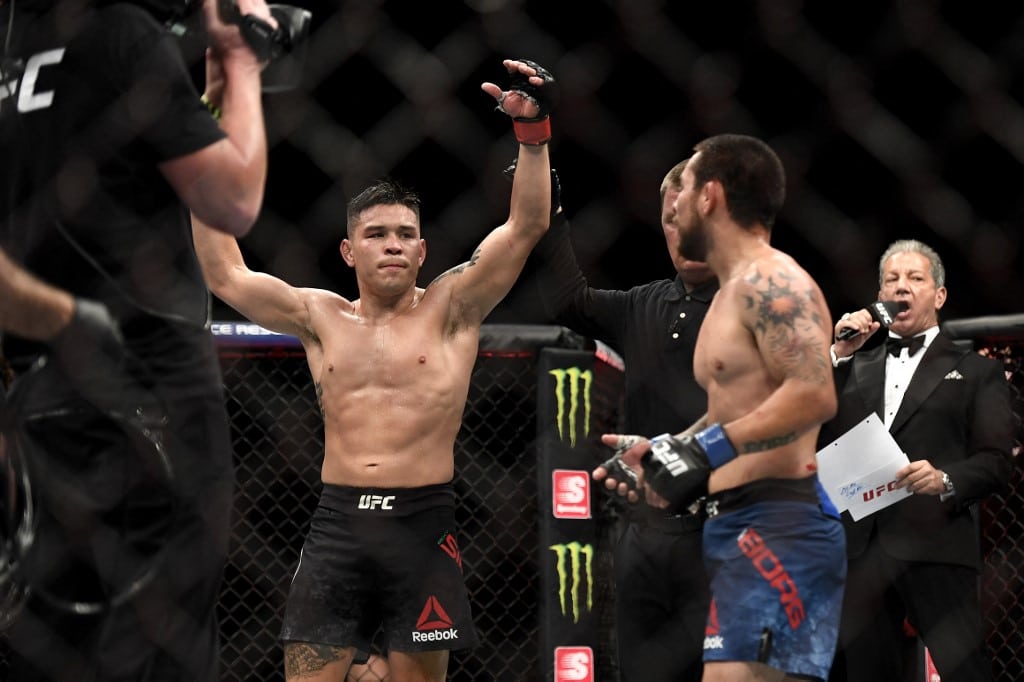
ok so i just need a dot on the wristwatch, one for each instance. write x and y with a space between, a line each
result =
948 489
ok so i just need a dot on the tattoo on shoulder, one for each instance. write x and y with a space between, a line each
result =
789 327
302 659
461 267
779 302
767 443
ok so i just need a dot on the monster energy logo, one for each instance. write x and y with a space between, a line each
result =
581 564
572 378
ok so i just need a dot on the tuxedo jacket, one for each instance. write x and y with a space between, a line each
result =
957 414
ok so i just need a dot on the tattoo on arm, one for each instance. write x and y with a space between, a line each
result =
767 443
789 327
461 267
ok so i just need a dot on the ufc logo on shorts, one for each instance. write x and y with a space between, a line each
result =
376 502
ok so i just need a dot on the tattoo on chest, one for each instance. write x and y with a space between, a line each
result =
320 398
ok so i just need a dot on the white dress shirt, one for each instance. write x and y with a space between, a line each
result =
898 373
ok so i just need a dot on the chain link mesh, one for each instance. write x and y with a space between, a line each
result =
497 510
911 98
1002 539
277 431
278 440
890 118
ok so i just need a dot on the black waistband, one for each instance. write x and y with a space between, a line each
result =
644 514
765 490
387 501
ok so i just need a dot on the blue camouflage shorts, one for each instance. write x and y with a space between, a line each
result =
777 570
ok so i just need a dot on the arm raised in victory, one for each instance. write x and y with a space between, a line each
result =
479 284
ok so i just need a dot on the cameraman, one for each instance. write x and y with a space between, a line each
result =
107 147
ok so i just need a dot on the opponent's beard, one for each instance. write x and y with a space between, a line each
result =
693 239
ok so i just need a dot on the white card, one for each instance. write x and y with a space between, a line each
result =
847 462
875 491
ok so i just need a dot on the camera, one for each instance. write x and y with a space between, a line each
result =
282 48
267 42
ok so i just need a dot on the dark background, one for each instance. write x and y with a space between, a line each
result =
894 120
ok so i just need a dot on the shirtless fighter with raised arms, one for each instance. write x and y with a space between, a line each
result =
392 371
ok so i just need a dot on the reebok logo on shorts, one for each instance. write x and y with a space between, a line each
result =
712 638
434 623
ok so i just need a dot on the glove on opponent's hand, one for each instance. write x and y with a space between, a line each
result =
678 468
621 472
536 129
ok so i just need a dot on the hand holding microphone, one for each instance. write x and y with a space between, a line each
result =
855 328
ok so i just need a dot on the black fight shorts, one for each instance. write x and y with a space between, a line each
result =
381 557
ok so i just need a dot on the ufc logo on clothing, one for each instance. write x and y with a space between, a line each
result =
376 502
28 98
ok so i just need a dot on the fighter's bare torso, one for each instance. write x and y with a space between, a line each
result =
762 329
392 389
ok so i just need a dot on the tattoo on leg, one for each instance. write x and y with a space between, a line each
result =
302 659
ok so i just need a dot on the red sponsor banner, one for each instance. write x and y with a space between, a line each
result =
570 494
574 664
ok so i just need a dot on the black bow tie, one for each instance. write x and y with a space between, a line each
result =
894 344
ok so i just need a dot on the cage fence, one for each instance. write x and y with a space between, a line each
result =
497 512
277 434
278 449
392 87
1001 517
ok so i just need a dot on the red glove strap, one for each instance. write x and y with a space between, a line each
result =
532 132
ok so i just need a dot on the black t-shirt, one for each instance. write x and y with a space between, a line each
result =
653 326
104 97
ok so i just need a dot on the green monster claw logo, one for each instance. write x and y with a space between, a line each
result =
570 587
572 376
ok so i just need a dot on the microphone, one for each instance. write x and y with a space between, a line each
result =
882 312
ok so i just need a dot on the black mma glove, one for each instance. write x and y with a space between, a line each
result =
556 185
536 130
678 468
622 473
